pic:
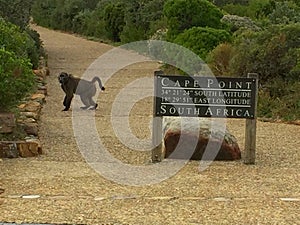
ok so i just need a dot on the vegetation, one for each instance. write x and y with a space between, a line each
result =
234 36
20 48
202 40
17 12
183 15
16 79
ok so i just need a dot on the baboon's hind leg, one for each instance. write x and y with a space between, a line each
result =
85 101
93 103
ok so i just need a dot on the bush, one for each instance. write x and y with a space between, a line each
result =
284 13
255 9
20 42
202 40
237 22
280 100
17 51
17 79
236 9
16 11
141 19
219 59
182 15
114 20
273 53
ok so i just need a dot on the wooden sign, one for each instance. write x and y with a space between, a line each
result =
196 96
192 96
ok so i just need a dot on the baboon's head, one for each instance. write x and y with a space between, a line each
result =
63 77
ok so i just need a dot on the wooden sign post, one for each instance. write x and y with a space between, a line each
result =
198 96
250 131
157 134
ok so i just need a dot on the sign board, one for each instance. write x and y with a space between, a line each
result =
197 96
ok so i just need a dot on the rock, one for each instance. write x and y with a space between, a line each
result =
196 133
8 150
29 148
38 97
14 149
31 128
42 73
33 106
25 120
7 123
42 89
22 107
32 115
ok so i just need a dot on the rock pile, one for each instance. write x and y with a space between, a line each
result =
28 120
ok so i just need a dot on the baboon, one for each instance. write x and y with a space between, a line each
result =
85 89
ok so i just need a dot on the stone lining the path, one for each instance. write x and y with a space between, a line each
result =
28 120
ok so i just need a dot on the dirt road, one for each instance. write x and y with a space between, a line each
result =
60 187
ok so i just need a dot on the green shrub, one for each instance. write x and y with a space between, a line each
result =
19 41
114 20
17 79
182 15
273 53
284 13
17 12
255 9
280 100
236 22
236 9
219 59
202 40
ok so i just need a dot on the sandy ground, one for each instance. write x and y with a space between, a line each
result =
61 187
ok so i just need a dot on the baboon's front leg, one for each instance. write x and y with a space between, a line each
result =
67 102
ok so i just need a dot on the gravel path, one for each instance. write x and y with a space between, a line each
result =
60 187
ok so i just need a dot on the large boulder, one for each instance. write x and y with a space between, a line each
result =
194 136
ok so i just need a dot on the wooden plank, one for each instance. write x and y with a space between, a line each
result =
157 135
250 131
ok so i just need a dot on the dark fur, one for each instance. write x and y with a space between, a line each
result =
86 89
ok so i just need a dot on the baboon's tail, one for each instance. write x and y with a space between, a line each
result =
99 81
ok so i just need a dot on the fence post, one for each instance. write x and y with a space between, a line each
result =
250 131
157 136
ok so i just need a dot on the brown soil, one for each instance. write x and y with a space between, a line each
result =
70 191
